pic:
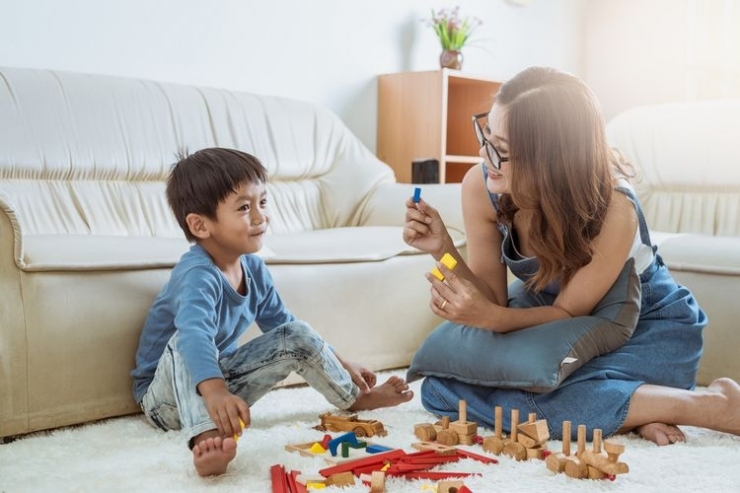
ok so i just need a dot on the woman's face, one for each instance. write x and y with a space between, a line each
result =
498 180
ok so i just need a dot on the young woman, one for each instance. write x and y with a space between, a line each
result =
552 202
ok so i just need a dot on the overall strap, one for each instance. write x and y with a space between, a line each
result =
644 233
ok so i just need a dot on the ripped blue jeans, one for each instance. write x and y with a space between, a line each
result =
172 403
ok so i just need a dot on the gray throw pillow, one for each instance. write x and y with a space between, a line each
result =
538 358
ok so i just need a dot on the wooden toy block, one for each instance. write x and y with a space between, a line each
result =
425 432
493 445
305 449
597 434
377 482
515 450
575 468
448 261
278 479
514 424
594 473
375 460
448 437
604 463
556 462
539 453
294 485
436 447
341 439
464 428
581 443
305 479
314 449
466 439
498 424
526 441
417 195
447 486
536 430
376 449
341 479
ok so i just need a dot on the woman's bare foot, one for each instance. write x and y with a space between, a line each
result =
727 410
211 455
661 433
392 392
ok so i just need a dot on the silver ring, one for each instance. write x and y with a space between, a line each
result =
443 305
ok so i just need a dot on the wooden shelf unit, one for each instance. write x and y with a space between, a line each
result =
426 115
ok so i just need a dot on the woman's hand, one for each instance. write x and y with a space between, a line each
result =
458 300
424 228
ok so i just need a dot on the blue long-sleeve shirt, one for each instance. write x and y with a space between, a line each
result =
208 314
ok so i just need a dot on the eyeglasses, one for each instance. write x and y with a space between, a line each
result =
493 155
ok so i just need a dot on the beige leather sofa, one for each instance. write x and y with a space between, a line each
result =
688 156
87 239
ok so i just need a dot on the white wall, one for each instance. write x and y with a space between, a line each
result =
325 51
657 51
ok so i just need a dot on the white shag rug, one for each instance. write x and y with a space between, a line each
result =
127 455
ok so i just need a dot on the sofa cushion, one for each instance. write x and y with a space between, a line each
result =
87 252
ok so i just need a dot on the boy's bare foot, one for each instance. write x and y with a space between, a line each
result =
727 410
661 433
392 392
211 456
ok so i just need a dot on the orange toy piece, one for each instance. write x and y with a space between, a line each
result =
448 261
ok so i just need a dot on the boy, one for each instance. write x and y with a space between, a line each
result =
189 372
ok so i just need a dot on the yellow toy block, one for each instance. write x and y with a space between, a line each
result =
242 424
448 261
316 448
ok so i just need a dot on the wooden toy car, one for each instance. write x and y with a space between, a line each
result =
361 427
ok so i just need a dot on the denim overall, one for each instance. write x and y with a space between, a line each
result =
664 350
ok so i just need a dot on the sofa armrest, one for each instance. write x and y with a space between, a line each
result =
385 205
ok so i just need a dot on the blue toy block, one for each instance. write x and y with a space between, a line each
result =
417 195
374 449
347 437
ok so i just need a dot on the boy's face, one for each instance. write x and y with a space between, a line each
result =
241 220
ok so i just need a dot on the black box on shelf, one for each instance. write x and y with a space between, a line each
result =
425 171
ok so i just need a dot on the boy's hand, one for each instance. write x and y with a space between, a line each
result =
224 408
363 378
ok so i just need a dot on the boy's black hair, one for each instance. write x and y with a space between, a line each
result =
198 182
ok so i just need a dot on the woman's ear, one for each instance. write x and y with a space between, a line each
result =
198 226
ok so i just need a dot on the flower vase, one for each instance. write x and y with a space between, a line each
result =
451 59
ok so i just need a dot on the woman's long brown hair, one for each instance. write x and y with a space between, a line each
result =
561 166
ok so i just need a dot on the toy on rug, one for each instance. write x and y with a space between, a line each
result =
342 448
361 427
461 431
589 464
527 440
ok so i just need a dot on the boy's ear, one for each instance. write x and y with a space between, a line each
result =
198 226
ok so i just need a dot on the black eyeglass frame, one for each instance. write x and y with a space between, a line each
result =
494 157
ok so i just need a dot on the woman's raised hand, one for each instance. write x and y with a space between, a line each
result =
424 228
